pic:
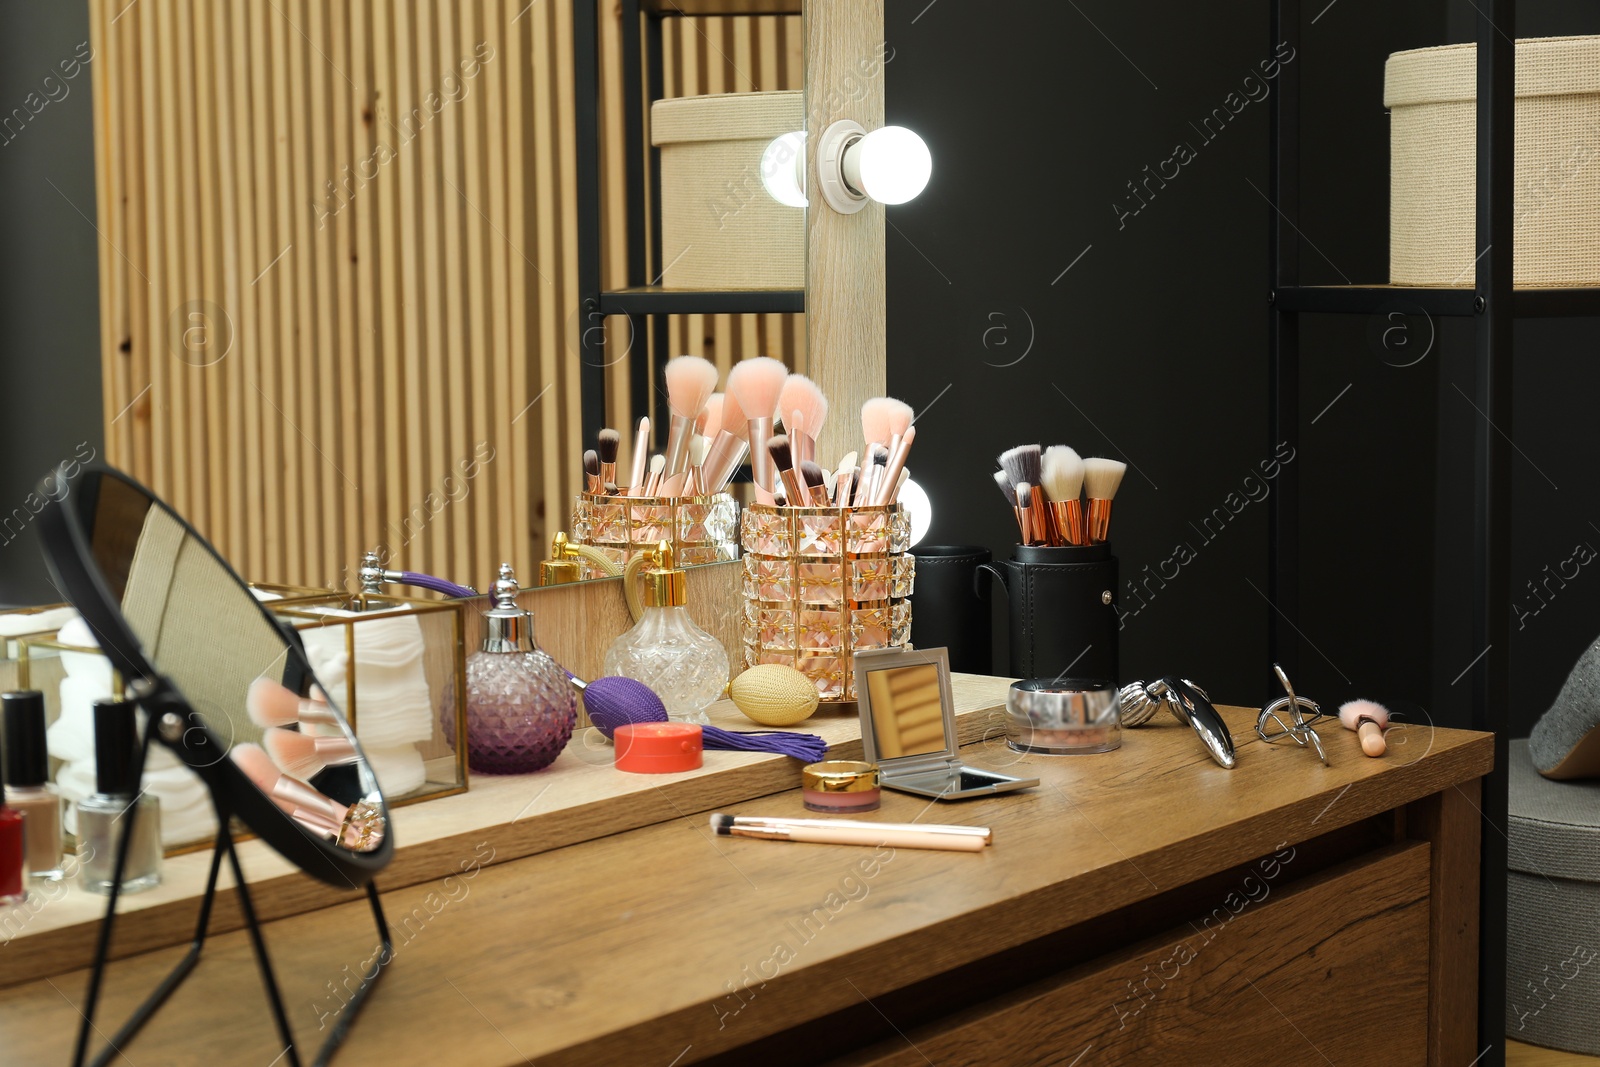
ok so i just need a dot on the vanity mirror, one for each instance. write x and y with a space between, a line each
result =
228 691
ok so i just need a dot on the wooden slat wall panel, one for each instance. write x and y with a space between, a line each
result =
338 268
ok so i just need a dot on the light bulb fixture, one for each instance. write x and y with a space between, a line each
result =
783 169
915 500
890 165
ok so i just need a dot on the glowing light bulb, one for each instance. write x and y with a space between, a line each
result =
893 164
783 169
915 500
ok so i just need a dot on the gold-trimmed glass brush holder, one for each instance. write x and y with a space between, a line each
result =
702 529
821 584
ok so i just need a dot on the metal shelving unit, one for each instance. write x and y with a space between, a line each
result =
642 302
1494 305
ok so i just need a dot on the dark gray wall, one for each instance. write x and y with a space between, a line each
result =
1038 114
49 317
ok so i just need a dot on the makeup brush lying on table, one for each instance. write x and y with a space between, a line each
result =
835 833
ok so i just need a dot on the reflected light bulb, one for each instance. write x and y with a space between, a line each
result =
892 165
783 169
915 500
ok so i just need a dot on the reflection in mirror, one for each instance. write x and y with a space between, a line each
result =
907 715
194 622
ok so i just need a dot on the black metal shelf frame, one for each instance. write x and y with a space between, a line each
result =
1495 305
642 302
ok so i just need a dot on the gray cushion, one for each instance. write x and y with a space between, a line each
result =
1554 826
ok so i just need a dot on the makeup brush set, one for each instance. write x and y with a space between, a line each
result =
1046 489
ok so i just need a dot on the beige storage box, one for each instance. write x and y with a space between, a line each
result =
1431 94
720 229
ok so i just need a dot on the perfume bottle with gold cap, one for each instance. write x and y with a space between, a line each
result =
687 667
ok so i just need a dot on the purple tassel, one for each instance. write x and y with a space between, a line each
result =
808 748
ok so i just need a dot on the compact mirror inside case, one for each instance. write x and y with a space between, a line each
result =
216 674
908 727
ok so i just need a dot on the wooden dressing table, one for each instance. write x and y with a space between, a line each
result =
1142 906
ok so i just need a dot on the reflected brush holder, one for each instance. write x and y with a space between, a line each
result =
702 529
821 584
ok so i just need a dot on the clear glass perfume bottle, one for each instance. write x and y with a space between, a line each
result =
521 708
666 650
28 786
117 807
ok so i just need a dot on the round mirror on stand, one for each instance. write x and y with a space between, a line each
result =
227 688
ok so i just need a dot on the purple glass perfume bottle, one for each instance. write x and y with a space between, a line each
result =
520 707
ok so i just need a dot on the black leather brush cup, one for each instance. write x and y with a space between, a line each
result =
1063 610
950 609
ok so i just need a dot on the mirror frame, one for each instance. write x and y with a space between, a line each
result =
69 556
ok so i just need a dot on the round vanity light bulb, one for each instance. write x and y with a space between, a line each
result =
783 169
894 164
915 500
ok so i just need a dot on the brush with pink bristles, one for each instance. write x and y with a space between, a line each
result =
1368 719
802 409
305 755
754 386
690 382
271 704
883 418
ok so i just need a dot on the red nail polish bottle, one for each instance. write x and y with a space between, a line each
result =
11 891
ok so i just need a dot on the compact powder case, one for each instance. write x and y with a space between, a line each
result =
1061 716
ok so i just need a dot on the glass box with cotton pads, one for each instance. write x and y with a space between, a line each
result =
393 662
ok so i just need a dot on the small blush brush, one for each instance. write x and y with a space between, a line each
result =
870 475
652 483
591 470
1009 491
641 457
271 703
843 479
1101 479
1063 484
606 446
803 409
690 382
753 386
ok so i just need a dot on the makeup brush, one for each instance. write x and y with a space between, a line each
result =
897 463
698 447
773 830
709 424
305 755
690 382
844 477
1027 520
1101 478
1368 719
782 456
1063 484
1007 490
754 385
870 475
899 484
641 457
358 826
722 462
882 418
272 704
606 445
591 470
816 480
652 483
733 416
1024 464
803 408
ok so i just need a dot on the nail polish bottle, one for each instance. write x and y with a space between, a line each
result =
117 807
28 787
11 866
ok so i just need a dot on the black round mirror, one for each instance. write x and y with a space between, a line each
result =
226 685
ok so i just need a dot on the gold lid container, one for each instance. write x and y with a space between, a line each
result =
665 586
840 776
